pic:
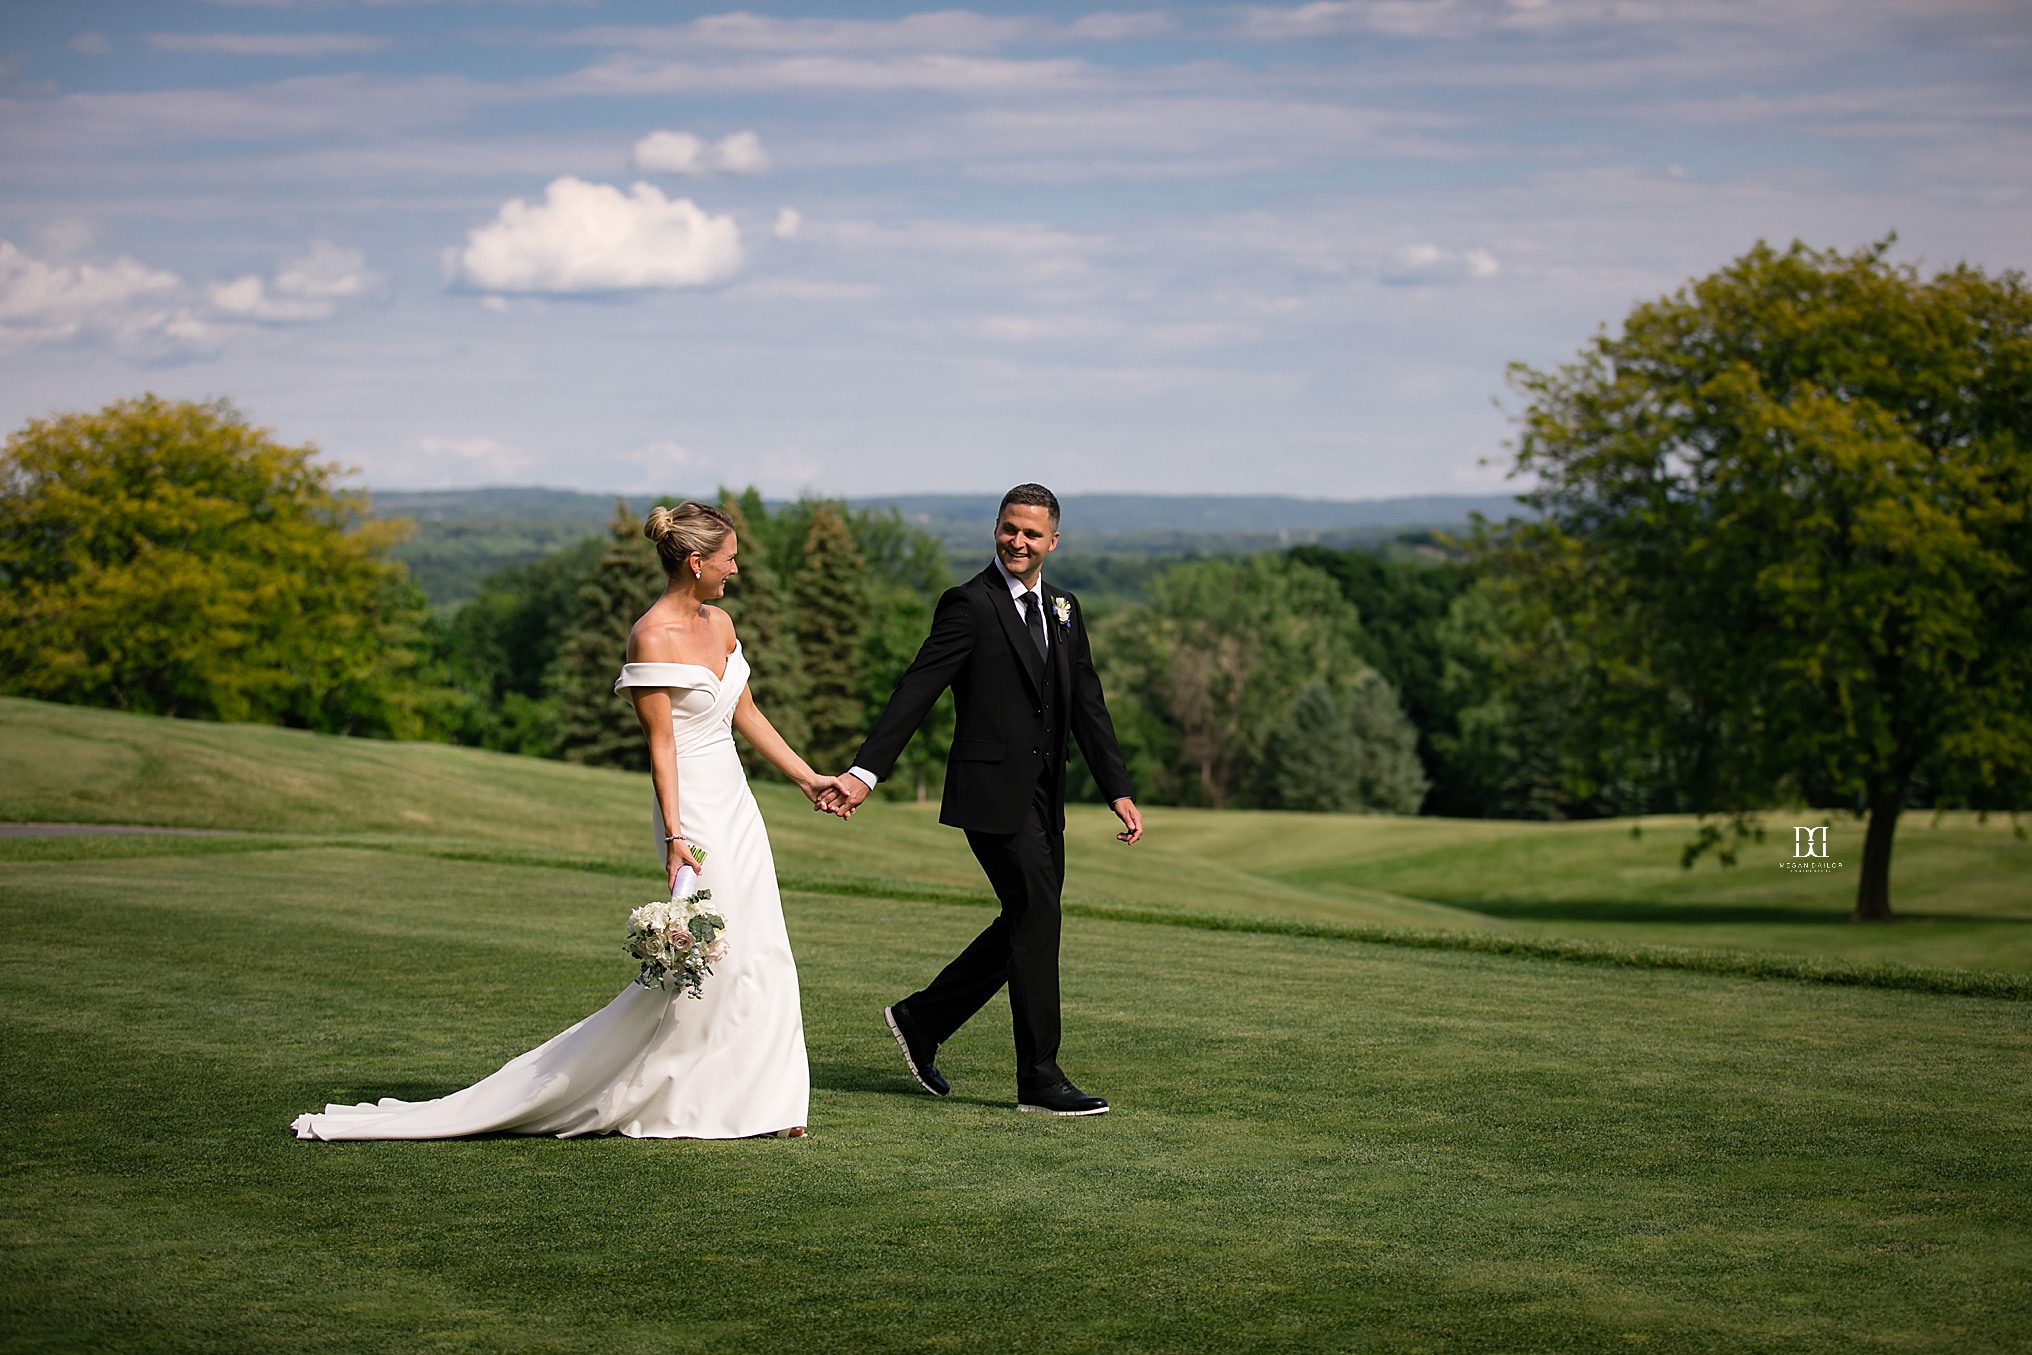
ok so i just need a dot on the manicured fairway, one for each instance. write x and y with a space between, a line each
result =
1963 888
1318 1144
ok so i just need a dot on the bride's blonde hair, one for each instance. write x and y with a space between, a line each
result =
684 529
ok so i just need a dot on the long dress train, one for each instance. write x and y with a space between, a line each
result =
651 1064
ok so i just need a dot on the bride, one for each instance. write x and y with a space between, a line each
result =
653 1064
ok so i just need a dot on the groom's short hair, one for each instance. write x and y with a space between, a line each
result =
1033 496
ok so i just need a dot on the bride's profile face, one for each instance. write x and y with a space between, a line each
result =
717 568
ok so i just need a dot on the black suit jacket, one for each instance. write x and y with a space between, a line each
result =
1001 736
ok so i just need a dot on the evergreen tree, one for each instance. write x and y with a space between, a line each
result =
1386 774
599 727
831 597
755 599
1349 750
1315 753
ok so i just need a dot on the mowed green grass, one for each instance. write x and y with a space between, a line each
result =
1963 887
1317 1145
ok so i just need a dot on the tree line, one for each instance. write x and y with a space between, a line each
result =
1781 557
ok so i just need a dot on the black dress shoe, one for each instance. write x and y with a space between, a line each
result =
1061 1098
918 1052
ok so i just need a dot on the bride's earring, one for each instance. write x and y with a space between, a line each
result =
697 573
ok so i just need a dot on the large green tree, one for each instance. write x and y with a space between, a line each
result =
1208 676
1785 533
502 643
596 725
169 557
831 593
759 602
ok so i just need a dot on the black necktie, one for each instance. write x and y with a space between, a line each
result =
1034 619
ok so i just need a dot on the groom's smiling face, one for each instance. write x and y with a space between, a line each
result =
1023 537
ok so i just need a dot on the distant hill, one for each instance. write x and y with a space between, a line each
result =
464 534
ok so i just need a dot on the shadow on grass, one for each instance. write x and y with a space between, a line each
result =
399 1091
1574 910
858 1077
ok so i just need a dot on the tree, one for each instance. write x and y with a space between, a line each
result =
1403 603
1207 671
1347 750
168 557
906 572
597 726
505 640
831 595
761 611
1785 529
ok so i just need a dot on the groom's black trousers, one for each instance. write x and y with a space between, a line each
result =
1019 948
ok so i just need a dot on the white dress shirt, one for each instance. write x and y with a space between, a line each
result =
1017 589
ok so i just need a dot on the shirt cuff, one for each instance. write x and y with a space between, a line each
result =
863 774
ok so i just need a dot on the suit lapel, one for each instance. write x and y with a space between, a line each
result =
1012 626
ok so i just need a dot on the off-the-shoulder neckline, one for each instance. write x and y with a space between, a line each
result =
720 676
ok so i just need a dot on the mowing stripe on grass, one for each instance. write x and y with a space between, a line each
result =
2010 987
1700 960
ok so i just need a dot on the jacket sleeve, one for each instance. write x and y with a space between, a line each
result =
944 652
1090 722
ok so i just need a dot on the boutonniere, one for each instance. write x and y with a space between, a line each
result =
1063 606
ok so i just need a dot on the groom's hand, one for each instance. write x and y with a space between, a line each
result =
1132 820
843 795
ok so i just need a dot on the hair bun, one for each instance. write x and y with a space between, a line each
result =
684 531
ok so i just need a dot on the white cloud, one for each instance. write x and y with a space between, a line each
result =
660 467
271 44
742 153
945 30
671 153
1113 26
312 287
128 305
682 153
124 303
440 462
789 222
931 72
1438 18
1422 264
588 237
91 44
465 449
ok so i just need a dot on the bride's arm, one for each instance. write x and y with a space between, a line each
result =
652 709
756 729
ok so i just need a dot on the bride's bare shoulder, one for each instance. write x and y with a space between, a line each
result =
650 640
723 627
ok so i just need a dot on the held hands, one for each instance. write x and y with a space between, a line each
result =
840 795
835 795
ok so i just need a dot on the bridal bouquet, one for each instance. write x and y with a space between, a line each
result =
678 940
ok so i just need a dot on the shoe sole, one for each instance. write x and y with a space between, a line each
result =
889 1015
1062 1114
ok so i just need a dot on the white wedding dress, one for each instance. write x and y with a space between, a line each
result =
650 1064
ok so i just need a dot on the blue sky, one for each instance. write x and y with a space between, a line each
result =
869 248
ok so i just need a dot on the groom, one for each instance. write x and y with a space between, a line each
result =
1014 651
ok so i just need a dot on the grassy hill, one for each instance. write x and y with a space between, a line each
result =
1318 1142
1962 885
